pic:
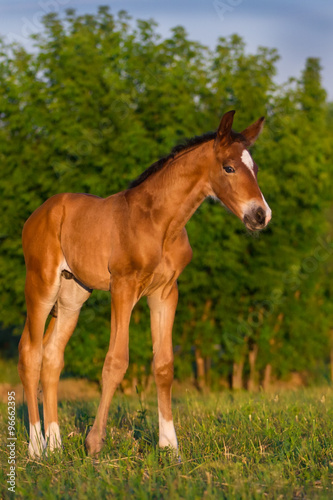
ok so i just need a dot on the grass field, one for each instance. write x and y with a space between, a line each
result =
232 445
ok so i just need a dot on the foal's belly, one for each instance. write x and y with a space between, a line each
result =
88 266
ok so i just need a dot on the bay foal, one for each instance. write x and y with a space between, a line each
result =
132 244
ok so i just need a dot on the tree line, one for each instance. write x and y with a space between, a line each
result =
95 103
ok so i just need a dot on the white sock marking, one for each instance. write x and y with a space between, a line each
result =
37 442
167 434
52 435
247 160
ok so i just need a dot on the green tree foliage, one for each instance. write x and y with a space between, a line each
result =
95 104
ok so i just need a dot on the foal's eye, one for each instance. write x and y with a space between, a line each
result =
229 170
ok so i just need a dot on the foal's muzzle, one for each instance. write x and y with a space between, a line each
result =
257 218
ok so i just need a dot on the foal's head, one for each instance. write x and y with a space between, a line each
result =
233 177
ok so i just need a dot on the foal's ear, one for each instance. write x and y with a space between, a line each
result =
224 130
252 132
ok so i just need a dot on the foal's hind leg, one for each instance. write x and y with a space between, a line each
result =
70 299
39 298
162 313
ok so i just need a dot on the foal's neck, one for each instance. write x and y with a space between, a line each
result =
178 189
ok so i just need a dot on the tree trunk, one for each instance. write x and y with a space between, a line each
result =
252 383
331 354
237 375
149 379
208 366
266 383
200 366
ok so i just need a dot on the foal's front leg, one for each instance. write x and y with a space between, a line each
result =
162 313
116 361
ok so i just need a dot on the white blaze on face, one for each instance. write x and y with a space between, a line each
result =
247 160
248 206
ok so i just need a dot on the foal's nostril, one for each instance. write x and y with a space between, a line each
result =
260 216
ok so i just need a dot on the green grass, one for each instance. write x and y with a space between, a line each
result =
232 445
8 372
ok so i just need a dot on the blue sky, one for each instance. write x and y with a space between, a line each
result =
297 28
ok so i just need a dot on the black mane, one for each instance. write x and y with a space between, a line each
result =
159 164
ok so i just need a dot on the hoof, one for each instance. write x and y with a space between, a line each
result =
94 443
172 453
37 452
